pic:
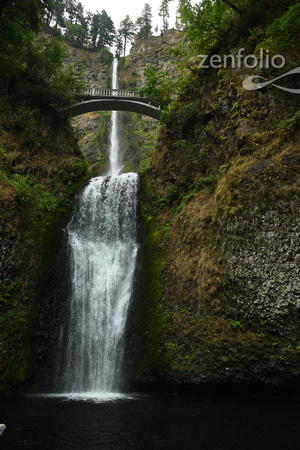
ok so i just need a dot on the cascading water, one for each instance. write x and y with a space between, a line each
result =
102 249
114 154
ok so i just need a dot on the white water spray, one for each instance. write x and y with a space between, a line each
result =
102 247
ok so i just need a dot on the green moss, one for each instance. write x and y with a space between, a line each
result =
130 166
154 317
235 115
250 170
40 171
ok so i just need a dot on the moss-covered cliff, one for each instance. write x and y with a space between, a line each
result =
220 275
40 169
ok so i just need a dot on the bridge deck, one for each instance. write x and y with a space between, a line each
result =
95 99
112 97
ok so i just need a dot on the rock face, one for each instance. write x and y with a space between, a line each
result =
41 168
263 267
92 132
92 129
220 279
153 51
96 69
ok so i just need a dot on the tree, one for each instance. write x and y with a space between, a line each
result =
22 15
119 46
30 65
207 23
75 33
77 25
71 10
164 13
183 10
58 13
159 86
126 31
233 6
106 31
95 23
143 22
102 30
285 28
19 20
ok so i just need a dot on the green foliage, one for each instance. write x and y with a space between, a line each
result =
72 174
170 194
75 33
143 22
126 32
213 24
29 191
45 67
102 30
37 180
284 29
17 18
9 294
235 323
164 13
289 124
159 86
206 23
33 67
39 72
105 56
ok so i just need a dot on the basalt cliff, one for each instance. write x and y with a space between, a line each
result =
219 284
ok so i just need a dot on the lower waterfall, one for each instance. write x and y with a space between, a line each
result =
102 249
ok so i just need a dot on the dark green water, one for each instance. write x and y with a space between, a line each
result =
209 422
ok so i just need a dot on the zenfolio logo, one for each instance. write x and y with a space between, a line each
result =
240 61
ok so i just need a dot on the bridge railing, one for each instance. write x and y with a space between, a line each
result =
99 92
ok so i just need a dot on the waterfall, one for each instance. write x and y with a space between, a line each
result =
102 249
114 154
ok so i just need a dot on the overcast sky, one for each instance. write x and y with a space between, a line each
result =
118 9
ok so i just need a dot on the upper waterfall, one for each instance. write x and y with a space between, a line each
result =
115 163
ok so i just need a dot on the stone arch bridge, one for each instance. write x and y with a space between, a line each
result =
111 100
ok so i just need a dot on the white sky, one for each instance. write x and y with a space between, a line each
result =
118 9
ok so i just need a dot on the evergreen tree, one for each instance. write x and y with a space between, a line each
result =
71 10
119 45
79 13
126 31
102 30
106 31
164 13
144 22
58 13
95 24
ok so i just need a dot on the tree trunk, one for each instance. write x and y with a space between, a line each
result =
235 8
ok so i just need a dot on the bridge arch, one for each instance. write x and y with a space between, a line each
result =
111 104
